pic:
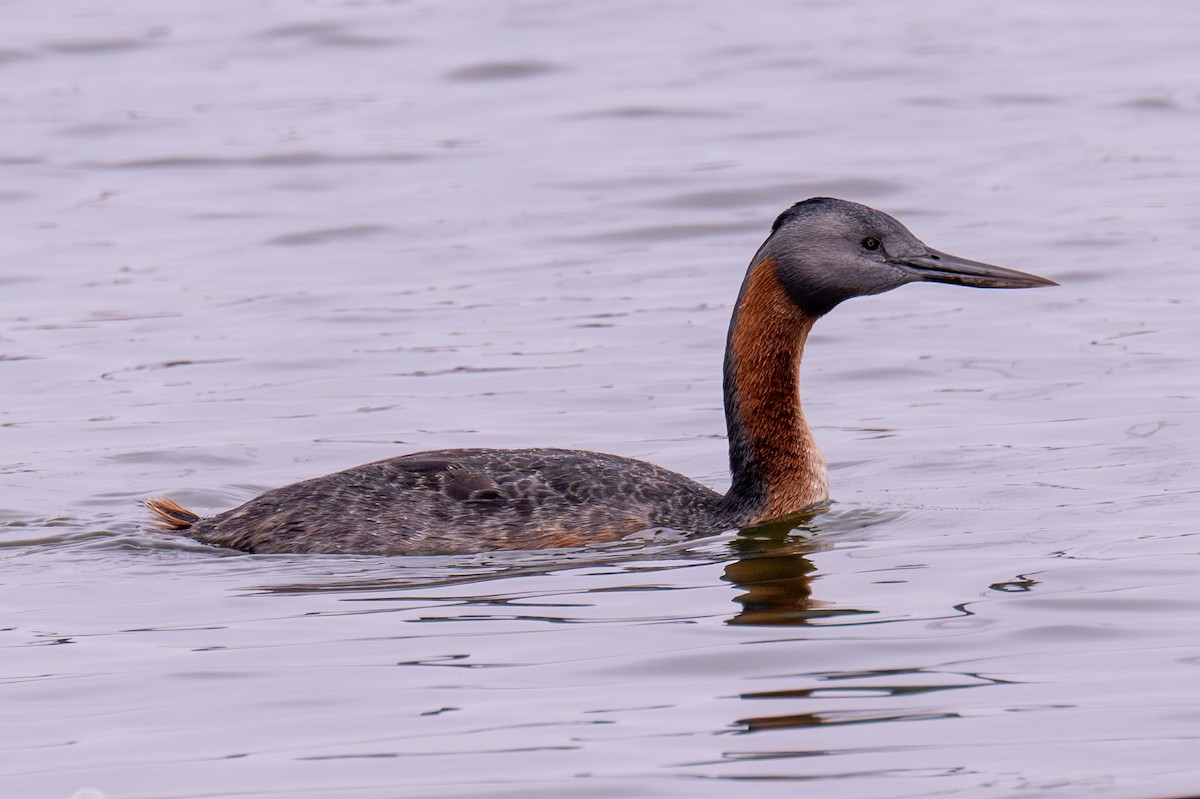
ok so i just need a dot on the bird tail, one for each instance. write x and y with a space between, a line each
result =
170 515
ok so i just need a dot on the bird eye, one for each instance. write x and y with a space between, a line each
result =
870 243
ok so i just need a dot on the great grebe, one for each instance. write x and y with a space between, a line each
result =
820 252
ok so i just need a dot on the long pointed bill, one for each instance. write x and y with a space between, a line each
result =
940 267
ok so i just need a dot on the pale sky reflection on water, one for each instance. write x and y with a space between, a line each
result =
246 244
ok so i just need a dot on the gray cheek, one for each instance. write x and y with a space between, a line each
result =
888 277
867 278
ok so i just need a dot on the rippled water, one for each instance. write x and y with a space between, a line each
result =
246 244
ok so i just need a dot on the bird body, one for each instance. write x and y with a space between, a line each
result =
450 501
820 252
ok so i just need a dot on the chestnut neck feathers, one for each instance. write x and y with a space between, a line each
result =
776 465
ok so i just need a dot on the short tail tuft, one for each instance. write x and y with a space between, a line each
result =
169 515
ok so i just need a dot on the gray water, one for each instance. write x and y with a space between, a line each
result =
249 243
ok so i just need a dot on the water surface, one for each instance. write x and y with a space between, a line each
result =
246 244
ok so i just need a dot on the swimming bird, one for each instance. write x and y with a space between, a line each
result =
820 252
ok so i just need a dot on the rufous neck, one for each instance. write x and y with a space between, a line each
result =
774 460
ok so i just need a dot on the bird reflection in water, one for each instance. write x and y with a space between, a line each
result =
775 573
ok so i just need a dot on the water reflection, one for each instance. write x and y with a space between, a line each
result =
833 719
860 697
770 564
774 571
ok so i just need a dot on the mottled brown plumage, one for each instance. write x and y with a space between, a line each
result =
820 252
540 495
